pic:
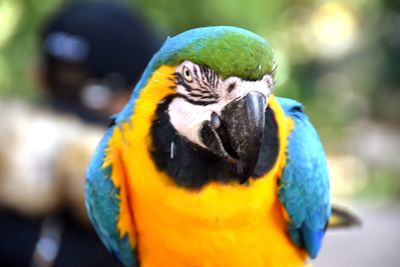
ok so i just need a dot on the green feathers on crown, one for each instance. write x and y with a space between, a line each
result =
230 51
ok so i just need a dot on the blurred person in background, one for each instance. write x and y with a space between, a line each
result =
92 54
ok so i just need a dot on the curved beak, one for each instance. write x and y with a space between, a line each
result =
238 133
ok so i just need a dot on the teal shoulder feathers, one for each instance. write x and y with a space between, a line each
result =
304 185
102 204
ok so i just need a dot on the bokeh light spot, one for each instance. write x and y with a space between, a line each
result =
333 28
10 13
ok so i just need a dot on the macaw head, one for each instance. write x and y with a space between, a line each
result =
205 98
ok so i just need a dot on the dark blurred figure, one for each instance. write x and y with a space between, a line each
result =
93 53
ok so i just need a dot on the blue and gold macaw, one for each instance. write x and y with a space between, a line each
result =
205 166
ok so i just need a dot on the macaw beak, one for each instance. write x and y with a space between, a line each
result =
236 135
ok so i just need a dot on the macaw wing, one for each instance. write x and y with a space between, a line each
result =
304 185
103 202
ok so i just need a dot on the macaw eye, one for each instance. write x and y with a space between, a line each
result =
187 74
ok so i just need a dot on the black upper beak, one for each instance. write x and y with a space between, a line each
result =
238 135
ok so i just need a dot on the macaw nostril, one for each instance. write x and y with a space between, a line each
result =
215 120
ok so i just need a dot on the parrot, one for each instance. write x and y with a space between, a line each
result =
205 166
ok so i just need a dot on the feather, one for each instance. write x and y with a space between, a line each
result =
304 185
102 204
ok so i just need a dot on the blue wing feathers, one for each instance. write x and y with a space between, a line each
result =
102 204
312 240
304 185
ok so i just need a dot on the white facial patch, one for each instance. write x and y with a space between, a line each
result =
187 118
201 91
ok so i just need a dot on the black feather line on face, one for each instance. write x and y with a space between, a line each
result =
180 81
204 91
196 95
195 72
196 101
192 166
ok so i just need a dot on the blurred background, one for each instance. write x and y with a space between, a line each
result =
341 59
